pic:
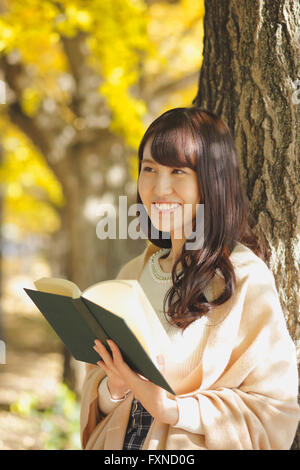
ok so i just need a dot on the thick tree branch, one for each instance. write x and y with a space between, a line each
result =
29 127
75 58
41 139
12 75
73 48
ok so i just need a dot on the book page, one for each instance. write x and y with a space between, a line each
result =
55 285
126 299
158 333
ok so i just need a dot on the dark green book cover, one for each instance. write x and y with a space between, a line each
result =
78 322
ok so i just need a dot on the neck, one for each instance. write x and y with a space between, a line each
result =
176 249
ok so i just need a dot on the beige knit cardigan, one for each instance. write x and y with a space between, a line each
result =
246 383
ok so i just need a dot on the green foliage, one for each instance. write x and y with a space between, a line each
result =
25 405
59 424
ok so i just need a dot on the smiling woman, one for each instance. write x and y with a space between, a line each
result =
168 191
232 362
188 156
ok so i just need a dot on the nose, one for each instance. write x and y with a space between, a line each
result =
163 186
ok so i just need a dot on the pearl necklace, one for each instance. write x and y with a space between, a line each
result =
156 270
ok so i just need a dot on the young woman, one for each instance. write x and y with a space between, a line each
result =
233 364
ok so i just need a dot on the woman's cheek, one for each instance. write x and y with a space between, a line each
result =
140 185
144 186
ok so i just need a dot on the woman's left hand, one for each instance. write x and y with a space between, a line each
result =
153 398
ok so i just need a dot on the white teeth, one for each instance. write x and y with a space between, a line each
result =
166 206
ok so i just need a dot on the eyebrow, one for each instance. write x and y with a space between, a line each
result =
148 160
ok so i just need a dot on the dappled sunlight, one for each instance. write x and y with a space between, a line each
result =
14 299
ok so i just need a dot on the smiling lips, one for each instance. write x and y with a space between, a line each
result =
166 206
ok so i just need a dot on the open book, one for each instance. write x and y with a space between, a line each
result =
116 309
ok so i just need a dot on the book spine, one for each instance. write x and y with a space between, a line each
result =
91 321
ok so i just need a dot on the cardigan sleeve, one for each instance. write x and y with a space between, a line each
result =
106 404
90 414
252 404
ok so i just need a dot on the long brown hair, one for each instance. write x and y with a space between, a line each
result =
199 139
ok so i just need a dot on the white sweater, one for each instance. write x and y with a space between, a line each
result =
186 353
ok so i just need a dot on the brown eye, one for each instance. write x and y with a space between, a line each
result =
147 168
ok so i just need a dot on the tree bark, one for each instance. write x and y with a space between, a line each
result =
250 66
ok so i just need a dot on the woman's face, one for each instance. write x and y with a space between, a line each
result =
169 194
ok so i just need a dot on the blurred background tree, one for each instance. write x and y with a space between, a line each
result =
84 79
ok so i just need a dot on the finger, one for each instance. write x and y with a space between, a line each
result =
103 366
106 358
102 351
101 347
116 353
129 376
121 366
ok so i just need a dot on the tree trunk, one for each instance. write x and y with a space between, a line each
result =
248 77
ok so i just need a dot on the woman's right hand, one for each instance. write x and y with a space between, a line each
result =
116 385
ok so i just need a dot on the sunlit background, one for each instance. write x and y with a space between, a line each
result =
83 80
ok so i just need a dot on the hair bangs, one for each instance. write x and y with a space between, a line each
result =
174 146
